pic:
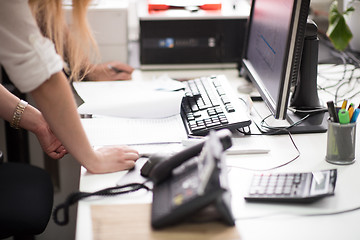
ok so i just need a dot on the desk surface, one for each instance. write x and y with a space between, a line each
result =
253 220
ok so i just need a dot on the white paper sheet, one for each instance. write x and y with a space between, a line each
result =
129 99
127 131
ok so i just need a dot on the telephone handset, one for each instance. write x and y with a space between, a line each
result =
163 169
192 183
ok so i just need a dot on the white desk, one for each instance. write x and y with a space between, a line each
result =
255 220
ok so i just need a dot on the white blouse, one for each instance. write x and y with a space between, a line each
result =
28 58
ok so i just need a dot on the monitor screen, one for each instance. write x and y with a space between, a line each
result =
273 50
280 58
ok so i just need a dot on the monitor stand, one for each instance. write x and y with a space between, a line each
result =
316 123
305 96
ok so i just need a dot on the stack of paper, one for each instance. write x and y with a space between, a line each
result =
130 113
128 99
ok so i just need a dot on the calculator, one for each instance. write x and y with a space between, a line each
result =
304 187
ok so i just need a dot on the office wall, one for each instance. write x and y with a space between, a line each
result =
320 9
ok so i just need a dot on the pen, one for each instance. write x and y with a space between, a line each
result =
355 115
332 111
344 116
114 68
344 104
351 111
351 105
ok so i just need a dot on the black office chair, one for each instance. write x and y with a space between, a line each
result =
26 200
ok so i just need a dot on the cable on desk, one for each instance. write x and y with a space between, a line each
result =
330 213
272 130
266 129
77 196
272 133
275 130
300 215
346 58
309 111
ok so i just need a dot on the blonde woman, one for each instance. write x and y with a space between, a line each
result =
34 40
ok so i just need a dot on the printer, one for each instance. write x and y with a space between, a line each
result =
192 37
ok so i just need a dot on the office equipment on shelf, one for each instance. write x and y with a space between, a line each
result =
303 187
158 5
281 54
211 103
198 180
183 38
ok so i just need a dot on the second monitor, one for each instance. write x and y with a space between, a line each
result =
280 58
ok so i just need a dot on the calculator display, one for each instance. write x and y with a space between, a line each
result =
320 183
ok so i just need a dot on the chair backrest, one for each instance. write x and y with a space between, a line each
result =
26 199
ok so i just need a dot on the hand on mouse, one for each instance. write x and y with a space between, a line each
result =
112 159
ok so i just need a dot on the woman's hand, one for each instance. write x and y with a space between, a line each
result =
112 159
49 142
110 71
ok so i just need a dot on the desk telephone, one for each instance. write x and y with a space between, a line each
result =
192 184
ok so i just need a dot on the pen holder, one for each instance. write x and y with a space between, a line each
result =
341 143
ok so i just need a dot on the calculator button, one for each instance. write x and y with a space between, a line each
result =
264 180
297 178
289 182
287 190
278 190
261 191
270 190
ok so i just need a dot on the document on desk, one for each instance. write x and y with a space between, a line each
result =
130 99
126 131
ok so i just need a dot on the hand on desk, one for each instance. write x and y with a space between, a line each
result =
112 159
110 71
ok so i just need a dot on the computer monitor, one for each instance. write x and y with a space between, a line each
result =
280 58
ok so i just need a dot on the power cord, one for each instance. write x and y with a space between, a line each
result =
266 129
77 196
275 129
347 58
303 215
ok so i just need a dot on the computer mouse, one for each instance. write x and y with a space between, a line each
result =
153 160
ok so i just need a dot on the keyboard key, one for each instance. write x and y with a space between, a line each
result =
229 108
220 91
212 112
225 100
190 116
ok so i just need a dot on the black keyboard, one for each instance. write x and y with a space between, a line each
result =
211 103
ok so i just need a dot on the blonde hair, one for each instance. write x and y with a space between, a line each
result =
74 43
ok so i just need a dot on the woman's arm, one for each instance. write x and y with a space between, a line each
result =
56 102
110 71
32 120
